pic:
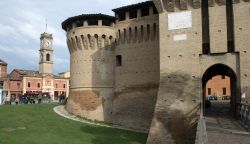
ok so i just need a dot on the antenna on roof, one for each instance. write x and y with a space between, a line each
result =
46 25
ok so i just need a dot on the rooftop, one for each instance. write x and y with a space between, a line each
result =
28 73
133 6
3 63
82 17
32 73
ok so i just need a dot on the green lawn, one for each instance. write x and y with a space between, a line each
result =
38 124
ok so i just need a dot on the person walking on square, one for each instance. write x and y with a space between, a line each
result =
16 101
8 100
20 98
39 98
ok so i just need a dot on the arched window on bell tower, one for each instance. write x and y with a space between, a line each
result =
47 57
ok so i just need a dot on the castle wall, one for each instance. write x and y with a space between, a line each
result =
183 65
242 43
92 74
218 28
179 90
105 88
120 73
137 79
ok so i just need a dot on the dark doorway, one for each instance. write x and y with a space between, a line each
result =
56 95
222 71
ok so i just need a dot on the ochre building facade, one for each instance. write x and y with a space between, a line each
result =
218 86
147 67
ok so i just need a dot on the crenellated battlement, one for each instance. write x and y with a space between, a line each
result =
176 5
90 32
138 34
90 41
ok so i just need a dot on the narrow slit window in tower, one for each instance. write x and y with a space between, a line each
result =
118 60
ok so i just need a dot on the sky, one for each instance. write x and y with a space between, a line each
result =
23 21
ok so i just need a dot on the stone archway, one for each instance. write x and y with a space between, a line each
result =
222 69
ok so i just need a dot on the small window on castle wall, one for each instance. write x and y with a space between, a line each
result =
56 85
92 22
133 14
70 27
142 31
125 33
106 23
121 16
145 11
79 23
47 57
148 30
155 29
118 60
119 33
64 85
155 10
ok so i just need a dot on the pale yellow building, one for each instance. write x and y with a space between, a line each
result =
64 74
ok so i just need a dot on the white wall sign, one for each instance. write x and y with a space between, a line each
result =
180 37
179 20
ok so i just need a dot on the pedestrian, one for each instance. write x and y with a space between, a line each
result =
63 98
39 98
60 98
8 100
16 101
20 99
23 98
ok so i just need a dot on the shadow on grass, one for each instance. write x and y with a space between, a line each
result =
104 135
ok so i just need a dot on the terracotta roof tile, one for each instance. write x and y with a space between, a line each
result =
3 63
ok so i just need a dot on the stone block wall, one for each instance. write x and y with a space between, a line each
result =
242 43
137 79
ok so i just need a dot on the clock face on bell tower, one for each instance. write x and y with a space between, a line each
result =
47 43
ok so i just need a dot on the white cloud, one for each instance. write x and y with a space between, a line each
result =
9 32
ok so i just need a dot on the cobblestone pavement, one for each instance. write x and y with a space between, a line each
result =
222 128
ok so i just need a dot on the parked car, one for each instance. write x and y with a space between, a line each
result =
213 98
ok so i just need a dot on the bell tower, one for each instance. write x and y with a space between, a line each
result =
46 54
